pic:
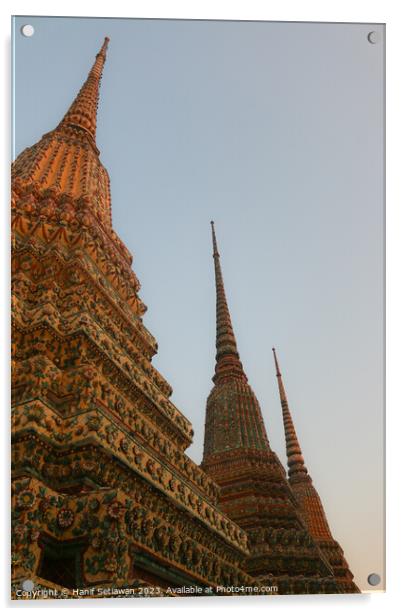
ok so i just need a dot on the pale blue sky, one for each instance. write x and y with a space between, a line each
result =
274 130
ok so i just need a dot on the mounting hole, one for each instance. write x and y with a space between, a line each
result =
27 30
28 585
374 579
373 37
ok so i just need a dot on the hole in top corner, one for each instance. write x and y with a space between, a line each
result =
27 30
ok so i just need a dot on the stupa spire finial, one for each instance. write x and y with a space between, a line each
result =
293 450
228 362
82 113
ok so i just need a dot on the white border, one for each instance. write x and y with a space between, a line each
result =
385 11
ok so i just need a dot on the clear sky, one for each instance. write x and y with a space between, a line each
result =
275 131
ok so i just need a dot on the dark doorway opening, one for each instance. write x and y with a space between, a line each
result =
61 562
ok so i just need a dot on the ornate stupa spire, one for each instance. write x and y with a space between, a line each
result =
228 364
254 489
63 174
311 507
82 113
65 162
293 450
233 418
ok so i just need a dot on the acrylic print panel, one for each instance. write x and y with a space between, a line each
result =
133 473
